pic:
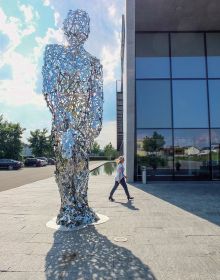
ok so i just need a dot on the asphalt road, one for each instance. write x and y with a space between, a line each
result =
17 178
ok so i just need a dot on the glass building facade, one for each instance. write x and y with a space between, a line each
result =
178 105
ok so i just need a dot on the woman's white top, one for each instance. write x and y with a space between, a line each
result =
119 172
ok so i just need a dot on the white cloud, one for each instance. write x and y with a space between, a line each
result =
19 90
115 14
28 12
57 18
10 27
46 2
15 29
110 58
108 134
112 11
30 19
53 36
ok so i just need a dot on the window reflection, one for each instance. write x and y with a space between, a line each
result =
214 100
213 54
190 156
188 55
215 151
152 55
190 107
155 151
153 104
192 153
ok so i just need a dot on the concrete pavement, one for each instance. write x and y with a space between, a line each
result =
172 232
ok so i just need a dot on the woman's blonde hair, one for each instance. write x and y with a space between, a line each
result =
119 159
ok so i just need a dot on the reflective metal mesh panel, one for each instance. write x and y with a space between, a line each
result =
73 89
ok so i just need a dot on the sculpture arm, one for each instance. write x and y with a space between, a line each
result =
97 98
50 72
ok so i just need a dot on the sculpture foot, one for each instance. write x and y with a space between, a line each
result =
71 218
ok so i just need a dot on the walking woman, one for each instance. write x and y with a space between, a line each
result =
120 179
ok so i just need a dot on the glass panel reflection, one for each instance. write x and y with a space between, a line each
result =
214 100
190 106
188 55
155 151
152 55
153 104
192 153
215 151
213 54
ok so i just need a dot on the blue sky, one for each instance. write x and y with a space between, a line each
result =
25 29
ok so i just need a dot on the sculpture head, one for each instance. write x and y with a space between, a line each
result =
76 27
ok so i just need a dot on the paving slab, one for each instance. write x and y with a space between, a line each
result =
172 232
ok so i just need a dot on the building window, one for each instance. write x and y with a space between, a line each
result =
188 55
190 107
214 99
191 153
177 105
152 55
215 151
213 54
153 101
155 151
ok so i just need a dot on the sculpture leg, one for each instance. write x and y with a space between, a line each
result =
72 182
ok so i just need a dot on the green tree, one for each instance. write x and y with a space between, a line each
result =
10 139
154 143
110 151
50 147
41 143
96 148
109 167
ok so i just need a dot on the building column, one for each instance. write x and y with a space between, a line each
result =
129 90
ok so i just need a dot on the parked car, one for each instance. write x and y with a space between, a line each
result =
51 161
35 162
10 164
44 160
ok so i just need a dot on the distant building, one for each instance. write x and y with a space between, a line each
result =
204 151
119 95
190 151
119 111
26 151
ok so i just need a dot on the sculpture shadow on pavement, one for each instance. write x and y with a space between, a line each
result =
87 254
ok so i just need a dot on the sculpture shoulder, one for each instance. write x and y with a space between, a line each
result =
95 61
96 65
53 51
92 59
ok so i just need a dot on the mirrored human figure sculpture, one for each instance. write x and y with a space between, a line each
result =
73 89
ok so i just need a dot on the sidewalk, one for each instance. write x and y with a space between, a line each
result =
172 232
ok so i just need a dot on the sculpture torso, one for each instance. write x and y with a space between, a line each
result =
75 95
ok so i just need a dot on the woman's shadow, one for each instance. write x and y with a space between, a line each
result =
87 254
128 204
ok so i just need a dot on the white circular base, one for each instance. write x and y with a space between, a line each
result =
52 224
120 239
